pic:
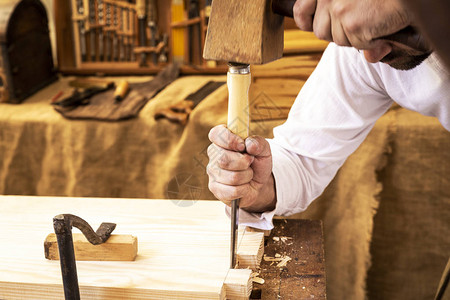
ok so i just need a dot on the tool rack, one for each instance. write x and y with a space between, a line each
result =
102 37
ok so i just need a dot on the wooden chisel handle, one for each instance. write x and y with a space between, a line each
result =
238 81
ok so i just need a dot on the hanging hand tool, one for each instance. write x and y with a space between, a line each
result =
152 16
208 8
195 33
100 17
121 33
179 113
178 40
107 29
115 35
93 36
140 10
80 32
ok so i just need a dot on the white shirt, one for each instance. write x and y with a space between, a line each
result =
332 115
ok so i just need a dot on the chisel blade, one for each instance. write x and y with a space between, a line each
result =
234 231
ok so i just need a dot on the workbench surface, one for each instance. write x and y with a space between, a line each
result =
183 250
304 277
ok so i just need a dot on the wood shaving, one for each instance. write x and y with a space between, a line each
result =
276 238
285 238
270 258
258 280
284 261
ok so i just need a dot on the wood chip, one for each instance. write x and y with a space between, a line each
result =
284 261
258 280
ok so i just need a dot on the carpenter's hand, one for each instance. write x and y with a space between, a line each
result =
353 23
241 169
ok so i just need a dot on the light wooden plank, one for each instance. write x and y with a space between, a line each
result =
183 251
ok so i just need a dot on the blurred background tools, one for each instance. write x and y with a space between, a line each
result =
84 90
123 102
179 112
131 36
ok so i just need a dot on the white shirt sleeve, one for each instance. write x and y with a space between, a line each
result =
332 115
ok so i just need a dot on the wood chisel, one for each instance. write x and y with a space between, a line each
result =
238 81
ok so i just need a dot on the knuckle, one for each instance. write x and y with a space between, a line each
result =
223 161
352 26
321 34
338 9
236 177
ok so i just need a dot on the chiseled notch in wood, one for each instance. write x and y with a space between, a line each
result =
238 284
117 248
250 249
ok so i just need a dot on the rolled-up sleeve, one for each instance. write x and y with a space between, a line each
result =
332 115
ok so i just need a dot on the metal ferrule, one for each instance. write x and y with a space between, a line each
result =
237 68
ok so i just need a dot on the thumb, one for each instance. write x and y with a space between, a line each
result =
257 146
262 164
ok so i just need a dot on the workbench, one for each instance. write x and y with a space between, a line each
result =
400 175
183 252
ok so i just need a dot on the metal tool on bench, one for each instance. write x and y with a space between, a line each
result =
179 113
62 225
194 31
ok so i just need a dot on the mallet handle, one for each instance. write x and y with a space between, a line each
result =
283 7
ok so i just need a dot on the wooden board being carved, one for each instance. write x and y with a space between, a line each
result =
183 251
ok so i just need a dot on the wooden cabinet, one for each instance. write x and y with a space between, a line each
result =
104 36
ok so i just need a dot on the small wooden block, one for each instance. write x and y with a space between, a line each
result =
238 284
116 248
250 249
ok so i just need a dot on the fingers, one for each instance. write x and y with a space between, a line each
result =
322 21
259 148
223 137
376 54
228 160
338 33
227 193
233 178
304 14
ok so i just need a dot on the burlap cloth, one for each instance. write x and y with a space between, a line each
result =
401 171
